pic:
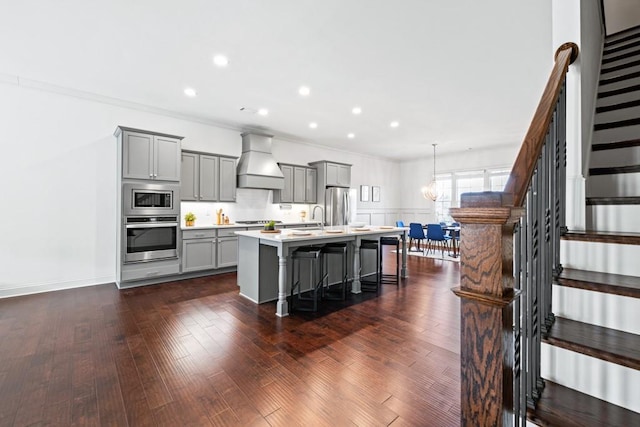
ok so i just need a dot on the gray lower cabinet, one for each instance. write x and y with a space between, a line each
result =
207 177
198 250
228 246
227 252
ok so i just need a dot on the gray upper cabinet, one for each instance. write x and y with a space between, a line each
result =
207 177
146 155
299 185
227 179
311 186
190 180
338 175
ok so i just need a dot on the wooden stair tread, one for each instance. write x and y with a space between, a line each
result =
614 346
562 406
591 201
616 284
627 238
616 145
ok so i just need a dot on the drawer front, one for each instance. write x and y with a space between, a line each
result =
199 234
150 271
230 232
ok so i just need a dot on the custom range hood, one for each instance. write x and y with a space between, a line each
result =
257 167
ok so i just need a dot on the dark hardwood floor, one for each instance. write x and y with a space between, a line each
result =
195 353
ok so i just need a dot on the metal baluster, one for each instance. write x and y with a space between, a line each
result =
518 410
562 187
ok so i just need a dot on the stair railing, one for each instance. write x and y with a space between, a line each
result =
510 253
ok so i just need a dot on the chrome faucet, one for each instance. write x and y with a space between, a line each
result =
313 213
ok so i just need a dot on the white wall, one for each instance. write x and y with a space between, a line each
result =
58 166
578 21
417 173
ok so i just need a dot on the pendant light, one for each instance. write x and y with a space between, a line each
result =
430 192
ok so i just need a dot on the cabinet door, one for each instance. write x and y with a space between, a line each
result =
227 252
166 155
198 254
332 175
209 178
311 189
190 177
286 194
137 155
344 175
299 184
227 179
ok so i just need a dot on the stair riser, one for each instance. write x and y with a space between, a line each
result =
604 380
618 73
621 35
622 61
604 257
614 218
618 185
627 156
621 48
618 115
619 85
597 308
616 134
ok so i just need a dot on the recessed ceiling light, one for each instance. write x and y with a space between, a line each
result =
313 125
394 124
356 110
190 92
263 111
304 90
351 135
221 60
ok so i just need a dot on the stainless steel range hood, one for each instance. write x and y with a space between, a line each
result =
257 168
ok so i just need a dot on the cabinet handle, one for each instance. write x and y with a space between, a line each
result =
152 273
150 175
199 235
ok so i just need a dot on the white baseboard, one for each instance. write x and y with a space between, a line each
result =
8 292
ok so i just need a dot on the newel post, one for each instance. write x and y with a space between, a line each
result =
486 308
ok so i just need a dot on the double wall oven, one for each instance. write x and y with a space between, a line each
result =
151 221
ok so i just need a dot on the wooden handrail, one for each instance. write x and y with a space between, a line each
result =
525 163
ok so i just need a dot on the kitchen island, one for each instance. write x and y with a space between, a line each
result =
263 267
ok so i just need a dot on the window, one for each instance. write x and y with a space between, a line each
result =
452 185
444 188
498 179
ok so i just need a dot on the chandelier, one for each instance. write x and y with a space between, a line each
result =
430 192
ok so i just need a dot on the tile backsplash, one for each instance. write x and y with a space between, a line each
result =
251 204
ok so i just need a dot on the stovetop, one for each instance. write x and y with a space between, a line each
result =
257 221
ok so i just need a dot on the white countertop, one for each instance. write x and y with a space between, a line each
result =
326 233
236 225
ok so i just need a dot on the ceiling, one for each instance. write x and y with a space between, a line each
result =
463 74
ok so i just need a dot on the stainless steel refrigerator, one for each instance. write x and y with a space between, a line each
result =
337 206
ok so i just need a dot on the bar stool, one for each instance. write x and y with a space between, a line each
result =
313 255
329 251
368 285
393 279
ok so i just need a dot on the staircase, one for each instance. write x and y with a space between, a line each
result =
591 356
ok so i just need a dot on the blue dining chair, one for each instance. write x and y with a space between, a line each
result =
416 232
399 223
435 236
